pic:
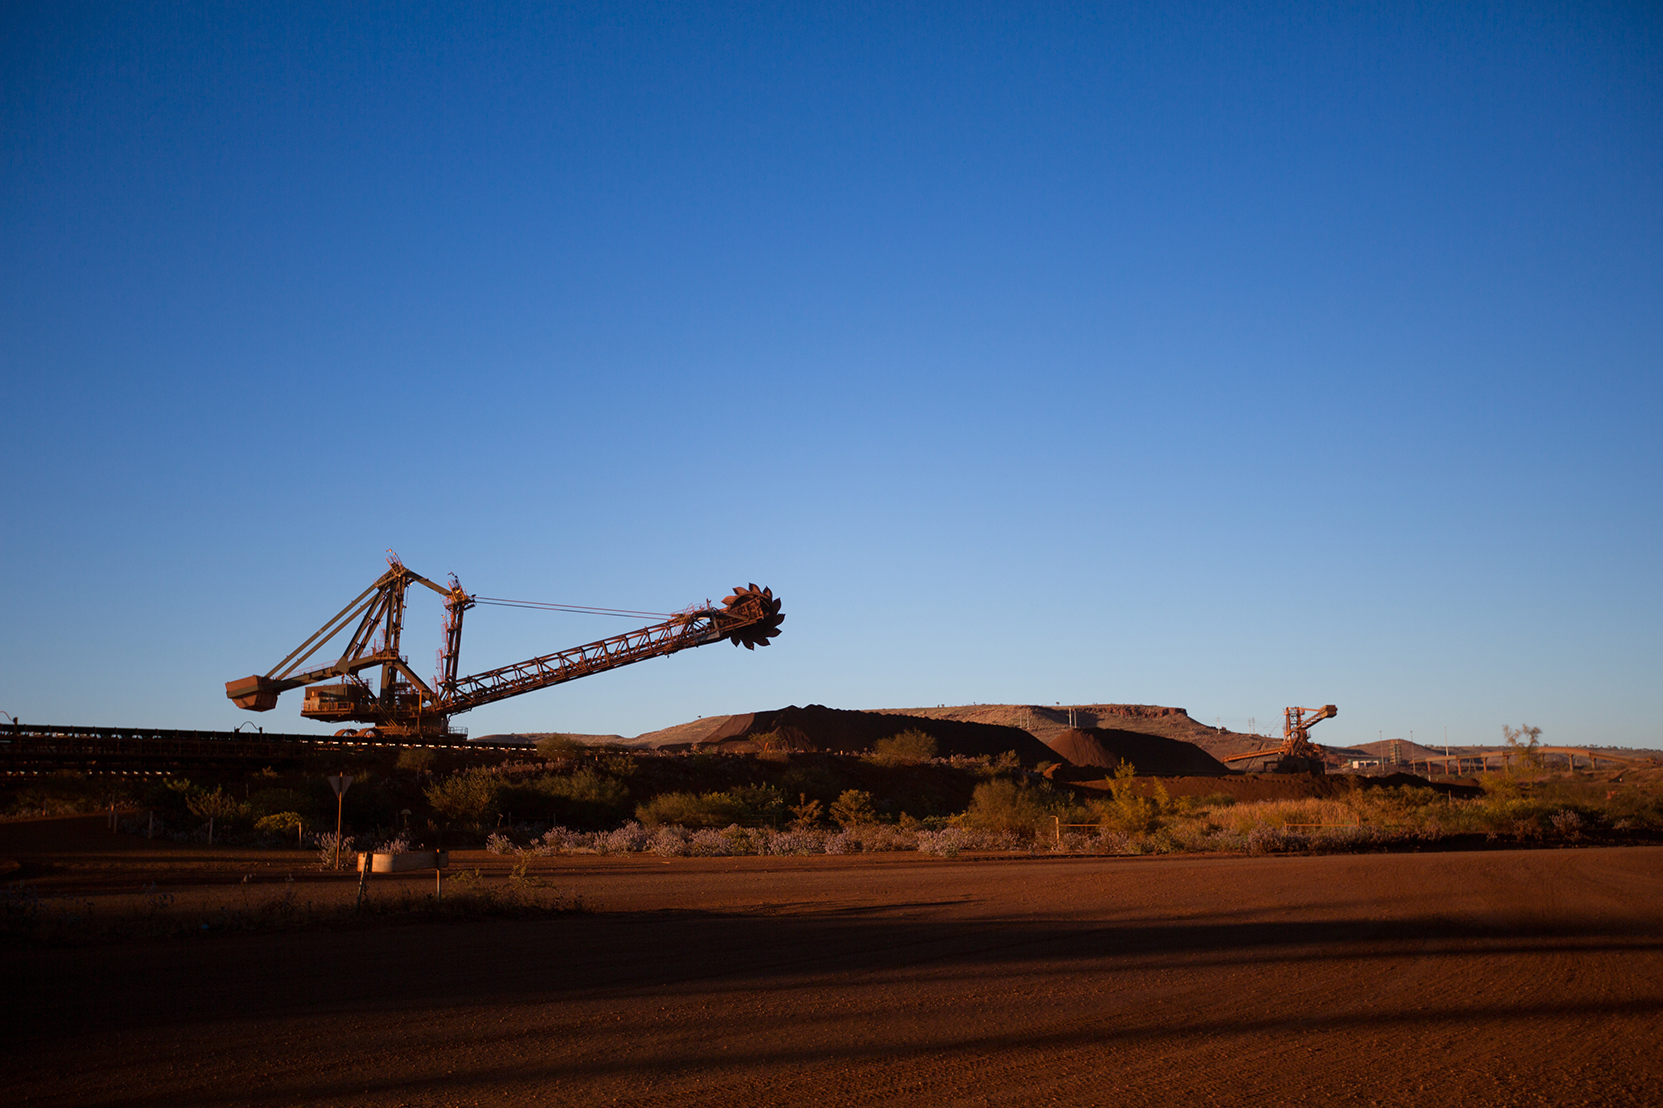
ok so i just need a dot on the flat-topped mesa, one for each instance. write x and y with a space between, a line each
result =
1138 711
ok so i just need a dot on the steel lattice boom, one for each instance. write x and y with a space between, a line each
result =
407 705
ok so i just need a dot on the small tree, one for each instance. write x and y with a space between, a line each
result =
853 807
219 805
1526 750
463 798
806 813
1128 809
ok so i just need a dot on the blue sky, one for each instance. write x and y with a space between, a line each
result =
1226 358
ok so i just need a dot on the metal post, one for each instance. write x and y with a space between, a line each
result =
340 783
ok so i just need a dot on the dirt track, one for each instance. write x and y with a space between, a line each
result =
1492 978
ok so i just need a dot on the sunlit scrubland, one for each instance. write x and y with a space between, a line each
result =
574 799
1013 811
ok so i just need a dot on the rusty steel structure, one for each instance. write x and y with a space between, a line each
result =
405 705
1296 754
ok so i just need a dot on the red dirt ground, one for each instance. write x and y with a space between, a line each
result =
1505 977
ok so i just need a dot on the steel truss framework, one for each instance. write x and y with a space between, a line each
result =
407 705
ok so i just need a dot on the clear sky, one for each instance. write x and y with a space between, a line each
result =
1227 357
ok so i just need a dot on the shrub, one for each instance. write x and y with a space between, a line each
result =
621 766
269 802
327 853
881 837
463 798
669 842
218 805
587 799
169 797
631 838
908 748
806 813
1276 815
689 810
556 748
1128 810
853 807
761 804
797 841
1004 805
942 844
1189 805
281 823
417 759
949 841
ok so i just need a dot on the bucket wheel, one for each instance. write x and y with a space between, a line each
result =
761 608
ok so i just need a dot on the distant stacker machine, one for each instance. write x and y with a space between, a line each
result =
404 705
1296 754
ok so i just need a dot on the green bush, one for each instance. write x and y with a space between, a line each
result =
63 792
281 823
1005 805
621 766
908 748
586 800
167 798
1005 763
1633 809
764 805
852 808
555 748
464 799
417 759
270 801
690 810
1128 810
747 805
219 806
806 813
